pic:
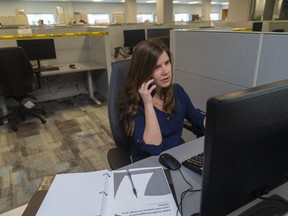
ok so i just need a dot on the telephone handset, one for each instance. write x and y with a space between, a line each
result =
154 90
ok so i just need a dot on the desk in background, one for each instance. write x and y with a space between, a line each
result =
80 67
87 67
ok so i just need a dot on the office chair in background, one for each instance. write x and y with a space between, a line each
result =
120 156
16 81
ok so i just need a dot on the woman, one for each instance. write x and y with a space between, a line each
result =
152 108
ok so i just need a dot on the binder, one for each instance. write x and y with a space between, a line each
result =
141 191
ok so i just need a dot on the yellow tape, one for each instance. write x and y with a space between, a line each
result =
241 29
70 34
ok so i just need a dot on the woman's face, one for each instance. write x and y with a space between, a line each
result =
162 75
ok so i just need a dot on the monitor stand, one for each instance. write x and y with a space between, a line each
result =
37 72
130 50
273 205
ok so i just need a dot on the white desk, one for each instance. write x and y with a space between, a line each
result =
81 67
87 67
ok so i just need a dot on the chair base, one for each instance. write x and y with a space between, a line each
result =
20 115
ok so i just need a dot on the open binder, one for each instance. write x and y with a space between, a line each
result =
141 191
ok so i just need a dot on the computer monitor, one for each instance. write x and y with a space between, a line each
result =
245 147
38 49
257 26
132 37
160 33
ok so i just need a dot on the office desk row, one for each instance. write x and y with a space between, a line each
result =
80 67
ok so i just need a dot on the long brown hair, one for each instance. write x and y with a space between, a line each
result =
141 68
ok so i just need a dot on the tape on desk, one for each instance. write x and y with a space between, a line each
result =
70 34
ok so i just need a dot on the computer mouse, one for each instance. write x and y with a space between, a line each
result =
169 161
73 66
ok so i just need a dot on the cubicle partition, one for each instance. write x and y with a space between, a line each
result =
209 63
273 65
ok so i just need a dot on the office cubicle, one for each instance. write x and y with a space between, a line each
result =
73 45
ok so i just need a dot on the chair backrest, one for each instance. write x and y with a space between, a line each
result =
16 72
118 76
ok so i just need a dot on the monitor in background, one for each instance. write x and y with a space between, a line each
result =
133 37
257 26
246 147
160 33
38 49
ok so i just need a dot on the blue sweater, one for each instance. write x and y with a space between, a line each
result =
171 128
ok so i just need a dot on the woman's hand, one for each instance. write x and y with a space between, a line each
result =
145 91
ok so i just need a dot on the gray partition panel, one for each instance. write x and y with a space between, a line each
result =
274 58
227 56
200 88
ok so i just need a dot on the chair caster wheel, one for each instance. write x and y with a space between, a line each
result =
15 129
43 121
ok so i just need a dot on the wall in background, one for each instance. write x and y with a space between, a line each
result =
8 8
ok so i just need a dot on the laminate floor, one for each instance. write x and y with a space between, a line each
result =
75 138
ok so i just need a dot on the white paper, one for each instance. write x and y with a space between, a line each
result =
154 196
74 194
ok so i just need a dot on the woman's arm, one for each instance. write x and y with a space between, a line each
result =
152 133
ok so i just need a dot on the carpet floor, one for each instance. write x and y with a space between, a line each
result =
76 138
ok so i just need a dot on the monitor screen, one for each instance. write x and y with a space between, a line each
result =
38 49
245 147
160 33
257 26
133 37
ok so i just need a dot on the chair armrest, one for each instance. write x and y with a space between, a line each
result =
118 157
198 132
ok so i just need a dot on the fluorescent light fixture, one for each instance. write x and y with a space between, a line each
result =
194 2
175 2
152 1
225 3
97 0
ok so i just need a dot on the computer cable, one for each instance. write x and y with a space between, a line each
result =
184 193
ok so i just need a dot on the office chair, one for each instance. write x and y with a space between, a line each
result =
120 156
16 81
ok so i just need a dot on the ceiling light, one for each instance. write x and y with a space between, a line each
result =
151 1
175 2
194 2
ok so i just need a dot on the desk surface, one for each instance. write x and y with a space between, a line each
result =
191 203
79 67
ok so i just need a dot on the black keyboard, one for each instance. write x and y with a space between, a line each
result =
49 68
195 163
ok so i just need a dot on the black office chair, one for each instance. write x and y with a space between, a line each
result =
120 156
16 81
